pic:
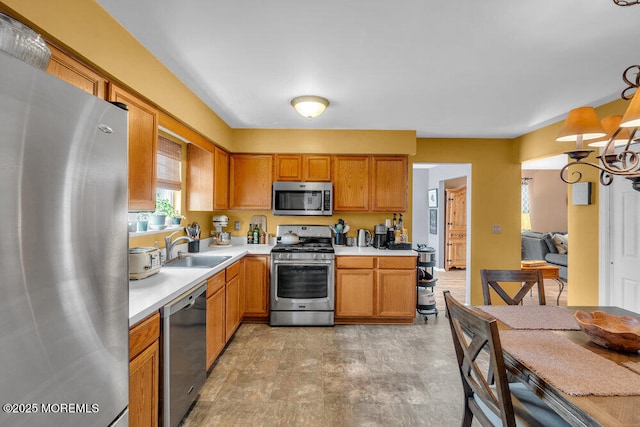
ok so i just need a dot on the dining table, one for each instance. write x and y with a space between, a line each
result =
585 383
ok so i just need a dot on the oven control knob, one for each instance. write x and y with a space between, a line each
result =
288 256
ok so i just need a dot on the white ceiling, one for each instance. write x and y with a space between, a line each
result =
493 68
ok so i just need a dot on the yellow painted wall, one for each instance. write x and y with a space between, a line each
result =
324 141
85 28
495 198
583 221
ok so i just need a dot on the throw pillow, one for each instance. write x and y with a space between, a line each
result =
561 242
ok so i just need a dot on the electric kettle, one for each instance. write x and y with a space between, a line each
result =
364 237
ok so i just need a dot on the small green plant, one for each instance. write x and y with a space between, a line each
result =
143 216
176 214
163 207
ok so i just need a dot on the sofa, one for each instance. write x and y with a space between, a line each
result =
551 247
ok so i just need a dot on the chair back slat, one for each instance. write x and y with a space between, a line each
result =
473 331
494 280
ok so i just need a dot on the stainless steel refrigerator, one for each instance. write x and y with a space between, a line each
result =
64 354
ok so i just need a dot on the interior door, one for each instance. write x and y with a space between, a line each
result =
624 238
456 228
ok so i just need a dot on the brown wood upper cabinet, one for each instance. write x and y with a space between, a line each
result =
350 177
143 148
302 167
74 72
389 183
207 179
250 181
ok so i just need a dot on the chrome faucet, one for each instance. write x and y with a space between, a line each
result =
169 245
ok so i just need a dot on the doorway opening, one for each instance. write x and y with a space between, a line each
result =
433 224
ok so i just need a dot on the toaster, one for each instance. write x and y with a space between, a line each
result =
144 262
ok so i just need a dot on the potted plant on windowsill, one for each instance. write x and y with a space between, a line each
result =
175 218
143 221
157 220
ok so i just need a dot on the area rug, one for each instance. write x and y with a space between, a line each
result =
568 366
532 316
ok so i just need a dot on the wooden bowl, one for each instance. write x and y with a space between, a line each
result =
620 333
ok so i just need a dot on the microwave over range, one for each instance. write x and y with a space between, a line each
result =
302 198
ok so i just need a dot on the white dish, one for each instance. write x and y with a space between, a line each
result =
157 227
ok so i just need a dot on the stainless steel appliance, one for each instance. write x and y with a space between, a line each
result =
144 262
364 238
302 198
302 277
64 310
380 236
184 352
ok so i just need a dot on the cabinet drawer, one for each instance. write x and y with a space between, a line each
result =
143 334
354 262
397 262
233 270
215 282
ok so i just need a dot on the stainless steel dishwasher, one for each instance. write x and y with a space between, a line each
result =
184 352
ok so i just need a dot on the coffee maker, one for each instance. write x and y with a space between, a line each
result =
380 236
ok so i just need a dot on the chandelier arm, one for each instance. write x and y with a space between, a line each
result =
631 76
626 2
606 178
564 173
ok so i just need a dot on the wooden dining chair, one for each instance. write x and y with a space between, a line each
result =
502 404
527 279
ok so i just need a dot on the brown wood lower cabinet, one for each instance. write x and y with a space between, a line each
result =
256 280
216 338
375 289
144 373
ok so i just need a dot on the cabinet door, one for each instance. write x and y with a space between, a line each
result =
199 179
143 147
232 307
250 181
389 186
350 183
143 387
216 337
71 71
316 168
287 168
396 293
220 179
354 293
256 279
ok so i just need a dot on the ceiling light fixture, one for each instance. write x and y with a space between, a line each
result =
614 131
310 106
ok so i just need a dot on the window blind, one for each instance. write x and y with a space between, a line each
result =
168 167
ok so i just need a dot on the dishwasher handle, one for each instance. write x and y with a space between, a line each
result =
186 300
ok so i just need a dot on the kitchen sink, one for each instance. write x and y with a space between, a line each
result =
197 261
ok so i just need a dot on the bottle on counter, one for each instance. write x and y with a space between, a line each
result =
250 235
395 226
256 235
263 236
400 225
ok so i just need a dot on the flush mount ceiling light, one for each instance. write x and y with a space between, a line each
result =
309 106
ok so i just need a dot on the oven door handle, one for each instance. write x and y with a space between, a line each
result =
303 262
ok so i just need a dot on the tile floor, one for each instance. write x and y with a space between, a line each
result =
347 375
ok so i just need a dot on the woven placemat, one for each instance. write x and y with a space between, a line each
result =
634 366
567 366
532 316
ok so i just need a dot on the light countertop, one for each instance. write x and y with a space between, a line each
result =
371 251
150 294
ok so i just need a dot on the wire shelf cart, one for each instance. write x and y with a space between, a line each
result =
426 301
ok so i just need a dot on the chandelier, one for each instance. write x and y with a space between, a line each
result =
582 124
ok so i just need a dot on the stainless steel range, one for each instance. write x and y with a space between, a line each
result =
302 276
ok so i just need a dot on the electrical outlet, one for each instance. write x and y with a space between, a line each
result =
496 229
236 225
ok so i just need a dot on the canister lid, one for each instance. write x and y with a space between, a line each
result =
141 250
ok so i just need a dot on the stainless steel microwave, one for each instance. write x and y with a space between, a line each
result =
302 198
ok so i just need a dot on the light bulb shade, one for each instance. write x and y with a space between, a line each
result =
631 118
310 106
610 125
583 122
